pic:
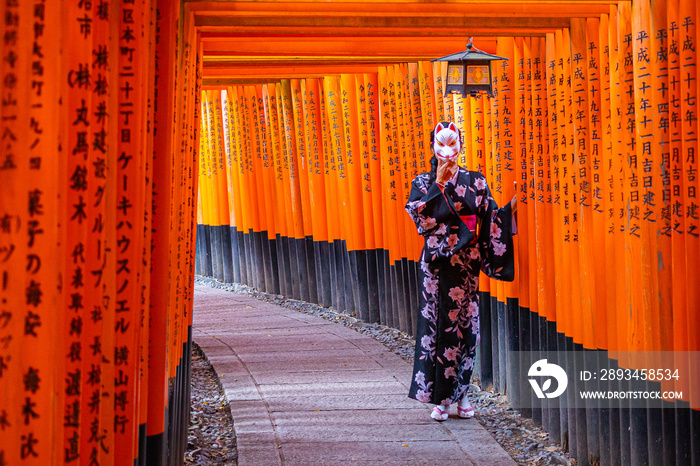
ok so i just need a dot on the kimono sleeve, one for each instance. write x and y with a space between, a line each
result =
444 231
496 238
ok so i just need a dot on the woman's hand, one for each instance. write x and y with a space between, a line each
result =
445 171
514 201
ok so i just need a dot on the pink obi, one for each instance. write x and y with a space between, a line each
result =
470 222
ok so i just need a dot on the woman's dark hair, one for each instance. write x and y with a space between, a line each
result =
432 174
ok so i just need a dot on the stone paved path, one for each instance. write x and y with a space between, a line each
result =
306 391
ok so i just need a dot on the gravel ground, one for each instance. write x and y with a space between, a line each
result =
211 439
527 443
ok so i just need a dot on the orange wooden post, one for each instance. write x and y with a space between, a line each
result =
99 323
219 158
416 161
229 103
365 158
130 224
282 225
209 179
306 268
75 240
351 141
661 178
14 246
582 205
218 166
605 71
689 153
373 124
345 199
349 116
502 184
256 210
628 171
596 222
30 252
295 211
400 131
479 151
268 177
302 156
236 135
331 187
614 191
570 190
448 101
427 94
542 183
521 163
389 190
301 159
164 196
488 171
259 176
555 62
372 191
439 71
462 120
639 150
258 138
317 193
404 159
530 61
248 208
204 174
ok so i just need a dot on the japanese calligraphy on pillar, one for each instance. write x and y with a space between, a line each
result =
439 71
425 77
79 83
314 143
689 153
361 86
581 211
328 164
388 149
131 122
374 139
592 208
96 347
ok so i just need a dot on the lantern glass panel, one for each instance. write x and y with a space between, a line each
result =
455 73
478 74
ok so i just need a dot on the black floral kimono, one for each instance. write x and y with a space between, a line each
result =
465 232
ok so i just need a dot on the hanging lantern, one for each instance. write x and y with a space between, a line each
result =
469 71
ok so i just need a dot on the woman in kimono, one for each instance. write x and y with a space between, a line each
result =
465 232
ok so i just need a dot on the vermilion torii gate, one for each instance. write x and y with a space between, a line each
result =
314 119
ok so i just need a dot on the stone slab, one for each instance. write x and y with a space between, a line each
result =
333 388
339 417
435 452
334 364
359 401
303 354
301 376
404 433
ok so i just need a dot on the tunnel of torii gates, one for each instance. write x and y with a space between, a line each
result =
299 127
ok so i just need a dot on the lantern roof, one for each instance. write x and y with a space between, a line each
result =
472 53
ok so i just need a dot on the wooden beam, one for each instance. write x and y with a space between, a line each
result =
381 33
568 8
279 72
290 46
379 24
